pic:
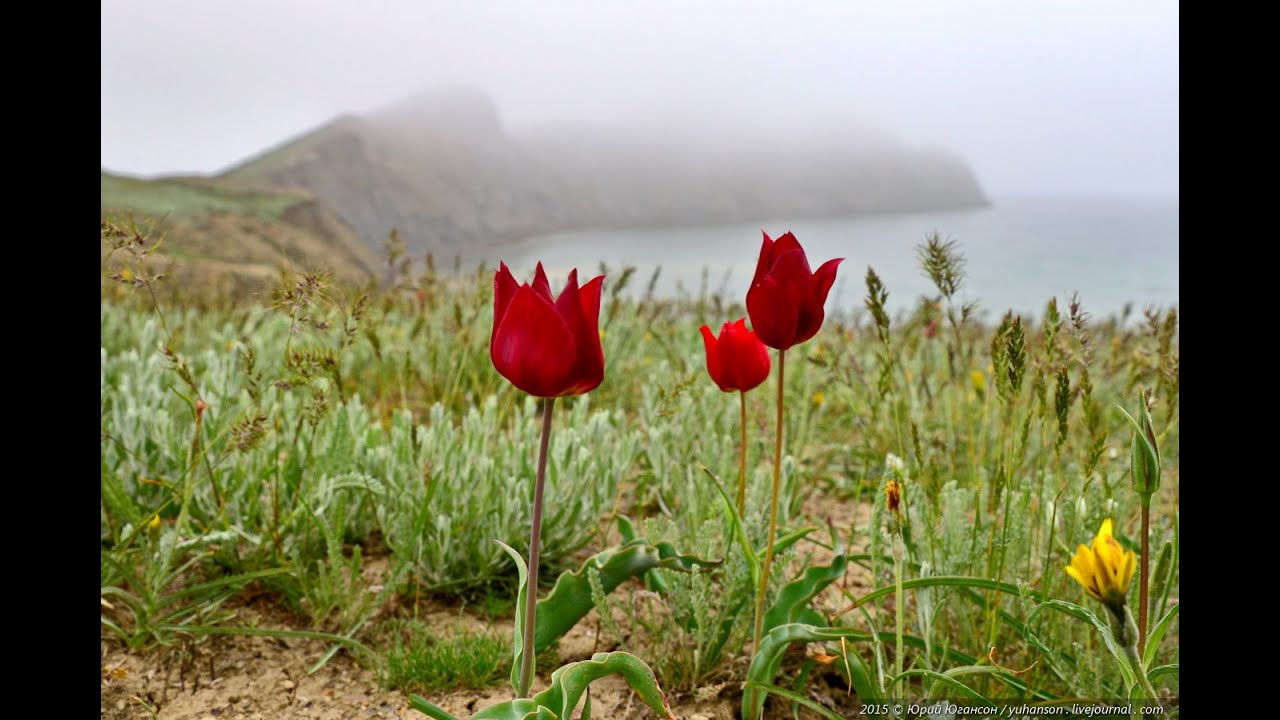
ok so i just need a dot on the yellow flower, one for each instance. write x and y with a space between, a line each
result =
155 522
979 381
819 398
1105 569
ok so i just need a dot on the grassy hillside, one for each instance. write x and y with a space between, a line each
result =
215 228
444 170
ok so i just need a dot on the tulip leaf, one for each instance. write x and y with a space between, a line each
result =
627 529
767 663
785 541
570 600
652 581
518 642
568 685
792 603
425 706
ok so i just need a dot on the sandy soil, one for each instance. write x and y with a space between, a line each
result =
263 678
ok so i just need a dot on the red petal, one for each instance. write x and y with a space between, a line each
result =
824 278
504 288
714 366
745 357
811 308
531 346
765 260
540 284
772 313
588 367
788 243
590 295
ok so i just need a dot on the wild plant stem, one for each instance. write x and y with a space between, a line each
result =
898 600
773 514
1124 631
535 545
180 525
742 458
1142 577
1131 653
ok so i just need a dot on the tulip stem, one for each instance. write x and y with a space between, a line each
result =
773 515
1142 576
742 459
535 545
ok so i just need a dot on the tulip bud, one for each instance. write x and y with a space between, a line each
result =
1145 466
737 360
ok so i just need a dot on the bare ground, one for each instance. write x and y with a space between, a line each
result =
265 678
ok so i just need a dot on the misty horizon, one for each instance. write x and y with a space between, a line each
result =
1059 98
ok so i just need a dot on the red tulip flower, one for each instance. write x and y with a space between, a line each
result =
786 298
737 360
547 346
785 304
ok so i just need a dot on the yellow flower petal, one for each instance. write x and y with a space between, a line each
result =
1083 561
1104 568
1084 570
1126 572
1085 581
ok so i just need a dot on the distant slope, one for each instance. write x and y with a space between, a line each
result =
215 227
442 170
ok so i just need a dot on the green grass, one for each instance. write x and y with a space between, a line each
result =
345 424
420 660
179 197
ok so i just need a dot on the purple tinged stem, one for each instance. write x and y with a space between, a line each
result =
535 546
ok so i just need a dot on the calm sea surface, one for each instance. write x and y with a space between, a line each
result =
1021 251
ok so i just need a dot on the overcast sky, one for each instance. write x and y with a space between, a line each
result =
1061 96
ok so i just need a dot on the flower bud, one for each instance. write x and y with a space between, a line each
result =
1145 466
